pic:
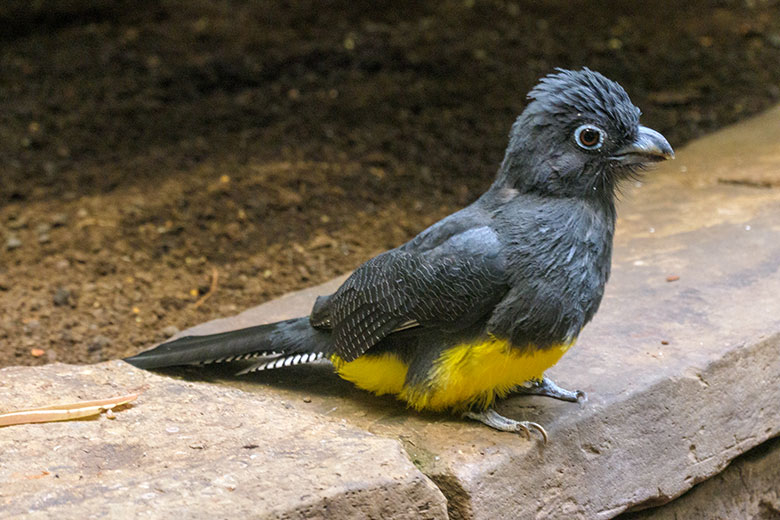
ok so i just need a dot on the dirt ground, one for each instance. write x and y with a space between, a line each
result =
163 163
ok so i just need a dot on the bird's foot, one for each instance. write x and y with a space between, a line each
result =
492 418
546 387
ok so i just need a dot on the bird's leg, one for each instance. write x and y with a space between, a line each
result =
492 418
545 386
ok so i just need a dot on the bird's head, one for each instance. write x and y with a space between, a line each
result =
578 137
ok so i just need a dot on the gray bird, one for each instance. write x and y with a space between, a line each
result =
481 303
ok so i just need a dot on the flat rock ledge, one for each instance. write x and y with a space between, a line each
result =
681 367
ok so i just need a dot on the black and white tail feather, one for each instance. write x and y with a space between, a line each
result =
275 345
279 361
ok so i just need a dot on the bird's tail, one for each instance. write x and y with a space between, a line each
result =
275 345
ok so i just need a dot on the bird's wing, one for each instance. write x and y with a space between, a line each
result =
451 285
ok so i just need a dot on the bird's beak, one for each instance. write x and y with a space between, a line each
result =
649 146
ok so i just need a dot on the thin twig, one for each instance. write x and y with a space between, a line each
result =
212 289
63 412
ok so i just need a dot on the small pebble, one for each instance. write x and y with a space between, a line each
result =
61 297
13 242
59 219
170 330
42 228
32 326
44 238
307 399
672 278
98 343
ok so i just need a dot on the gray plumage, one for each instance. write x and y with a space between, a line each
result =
526 262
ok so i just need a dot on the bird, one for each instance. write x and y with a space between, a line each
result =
479 305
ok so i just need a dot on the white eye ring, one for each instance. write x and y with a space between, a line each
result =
589 137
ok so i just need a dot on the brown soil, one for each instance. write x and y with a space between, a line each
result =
153 153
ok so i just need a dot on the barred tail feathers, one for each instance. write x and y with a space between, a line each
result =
276 345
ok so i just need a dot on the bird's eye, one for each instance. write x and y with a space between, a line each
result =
589 137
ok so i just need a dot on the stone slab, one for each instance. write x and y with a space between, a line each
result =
749 489
197 450
681 375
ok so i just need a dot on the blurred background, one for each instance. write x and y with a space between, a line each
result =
166 162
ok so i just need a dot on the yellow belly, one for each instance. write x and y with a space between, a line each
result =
469 375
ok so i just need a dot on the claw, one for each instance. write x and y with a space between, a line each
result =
495 420
541 430
524 429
